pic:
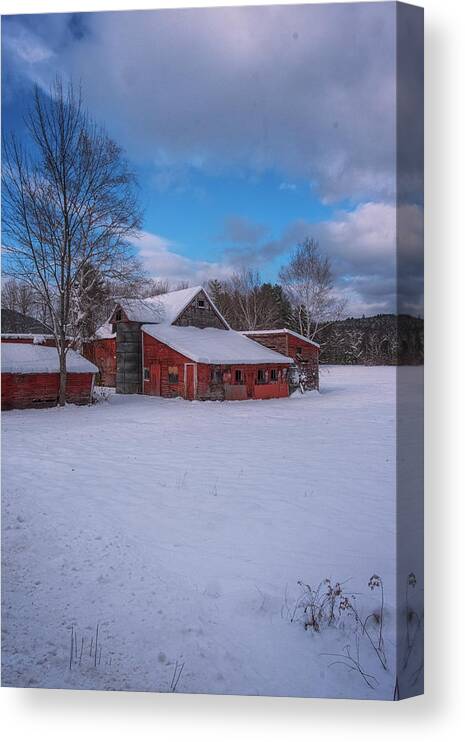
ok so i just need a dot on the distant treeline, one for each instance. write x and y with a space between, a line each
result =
386 339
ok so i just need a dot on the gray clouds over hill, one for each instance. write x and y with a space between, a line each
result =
362 246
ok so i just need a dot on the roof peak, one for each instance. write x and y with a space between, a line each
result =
164 308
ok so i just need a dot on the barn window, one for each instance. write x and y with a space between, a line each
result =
238 376
173 375
118 315
261 376
146 374
298 351
216 376
274 374
201 303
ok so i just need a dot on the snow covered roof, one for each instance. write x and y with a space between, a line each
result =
26 336
27 358
164 308
282 331
142 310
105 331
214 346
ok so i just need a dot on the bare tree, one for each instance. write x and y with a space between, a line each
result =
247 303
155 287
91 295
308 281
18 296
97 294
69 202
181 285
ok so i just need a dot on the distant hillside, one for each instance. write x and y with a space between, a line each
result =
386 339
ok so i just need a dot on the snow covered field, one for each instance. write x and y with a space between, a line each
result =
182 529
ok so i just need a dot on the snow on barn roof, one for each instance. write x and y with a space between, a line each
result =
105 331
164 308
26 358
282 331
142 310
214 346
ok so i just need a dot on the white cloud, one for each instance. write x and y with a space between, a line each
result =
160 259
362 245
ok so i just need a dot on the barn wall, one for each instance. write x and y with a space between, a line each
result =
128 358
207 387
276 342
271 391
103 354
157 352
229 389
193 316
287 344
20 391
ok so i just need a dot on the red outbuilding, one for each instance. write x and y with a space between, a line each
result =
305 353
30 376
210 364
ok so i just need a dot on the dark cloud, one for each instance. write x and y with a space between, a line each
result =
305 90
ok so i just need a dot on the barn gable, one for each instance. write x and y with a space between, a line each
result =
186 307
201 312
183 308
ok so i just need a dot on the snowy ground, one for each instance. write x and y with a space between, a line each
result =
182 529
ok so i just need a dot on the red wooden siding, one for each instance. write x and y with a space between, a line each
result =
158 358
304 353
103 354
308 351
270 391
20 391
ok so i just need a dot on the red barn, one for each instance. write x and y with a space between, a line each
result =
30 376
210 364
178 344
304 352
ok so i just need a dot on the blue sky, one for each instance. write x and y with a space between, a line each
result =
249 129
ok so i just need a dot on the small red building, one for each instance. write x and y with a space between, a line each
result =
210 364
30 376
304 352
